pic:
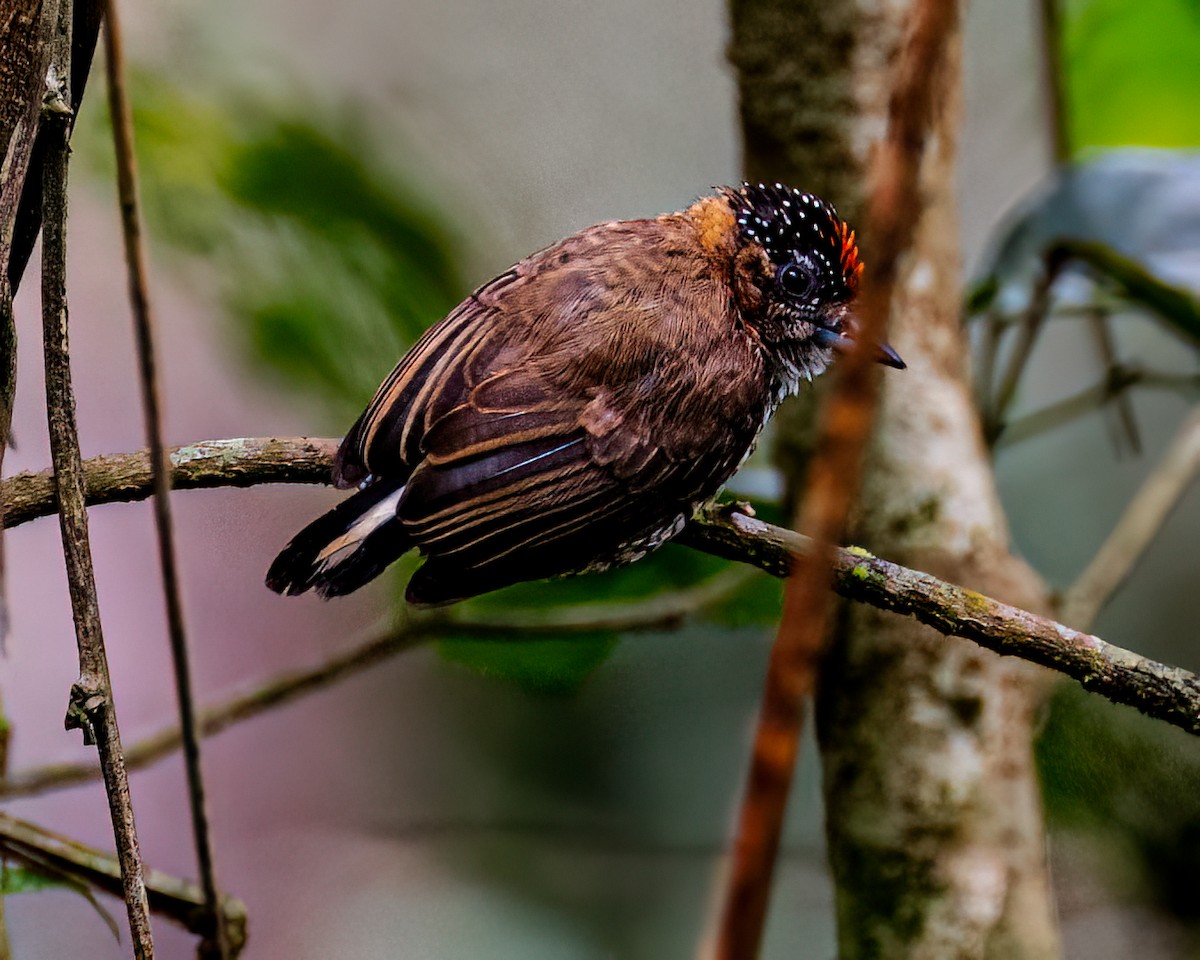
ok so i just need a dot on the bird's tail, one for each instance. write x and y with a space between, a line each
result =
347 547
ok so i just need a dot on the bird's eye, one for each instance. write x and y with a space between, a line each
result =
797 279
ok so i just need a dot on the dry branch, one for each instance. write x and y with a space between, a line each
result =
1137 528
214 942
169 896
656 613
91 706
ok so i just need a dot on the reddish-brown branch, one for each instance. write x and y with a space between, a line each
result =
893 210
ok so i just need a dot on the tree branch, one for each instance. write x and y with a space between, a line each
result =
1175 306
656 613
1031 325
1119 381
214 943
125 477
834 474
91 706
1158 690
169 896
1137 528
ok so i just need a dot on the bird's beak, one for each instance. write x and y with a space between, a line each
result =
888 357
884 353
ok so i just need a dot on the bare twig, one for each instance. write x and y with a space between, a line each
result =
1031 325
1137 528
214 943
8 390
1117 674
1176 306
656 613
91 707
1127 428
985 371
834 472
169 896
1119 380
1057 117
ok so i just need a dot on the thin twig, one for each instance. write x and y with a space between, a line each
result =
1108 670
1119 380
1031 324
985 372
214 942
1100 324
8 391
1139 525
656 613
893 211
91 707
1057 113
1175 306
169 896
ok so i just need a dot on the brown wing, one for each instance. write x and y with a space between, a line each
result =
563 412
431 378
492 504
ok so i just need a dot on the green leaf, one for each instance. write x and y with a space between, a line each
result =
16 879
656 592
21 879
1131 72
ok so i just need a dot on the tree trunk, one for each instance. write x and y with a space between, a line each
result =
933 810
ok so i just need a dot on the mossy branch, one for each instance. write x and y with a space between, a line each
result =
1156 689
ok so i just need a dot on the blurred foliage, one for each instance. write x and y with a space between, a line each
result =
559 666
1131 76
552 667
1110 771
1132 71
329 269
15 879
328 266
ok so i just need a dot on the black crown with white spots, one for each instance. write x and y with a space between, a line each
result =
790 224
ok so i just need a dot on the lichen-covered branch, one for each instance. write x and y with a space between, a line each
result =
1158 690
125 477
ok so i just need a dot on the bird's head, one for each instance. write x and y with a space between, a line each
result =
796 273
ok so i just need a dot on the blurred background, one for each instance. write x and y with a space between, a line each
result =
320 185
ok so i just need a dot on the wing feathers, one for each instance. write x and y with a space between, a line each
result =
528 449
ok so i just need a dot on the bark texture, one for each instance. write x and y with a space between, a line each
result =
934 813
934 822
934 818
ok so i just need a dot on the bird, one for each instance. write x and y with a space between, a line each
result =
573 413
